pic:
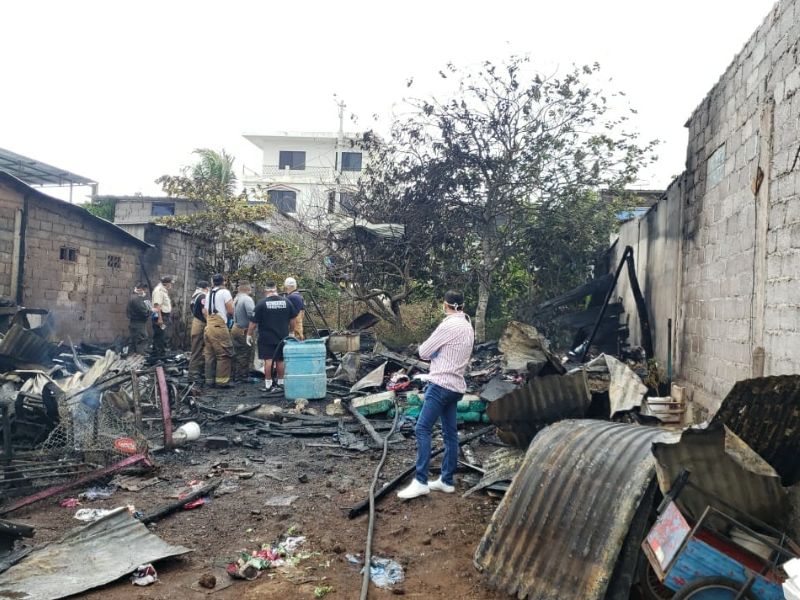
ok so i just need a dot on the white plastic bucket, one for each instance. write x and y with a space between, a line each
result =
188 432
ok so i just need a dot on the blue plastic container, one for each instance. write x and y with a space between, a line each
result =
305 369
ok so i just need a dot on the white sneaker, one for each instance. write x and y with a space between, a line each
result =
440 486
413 490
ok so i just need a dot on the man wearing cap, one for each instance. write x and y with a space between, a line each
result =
139 312
243 307
274 316
296 298
218 349
449 349
162 316
197 361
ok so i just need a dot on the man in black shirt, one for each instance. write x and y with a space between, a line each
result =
274 316
139 312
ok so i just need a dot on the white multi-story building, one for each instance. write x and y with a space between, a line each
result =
307 174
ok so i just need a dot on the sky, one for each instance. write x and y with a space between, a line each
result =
122 92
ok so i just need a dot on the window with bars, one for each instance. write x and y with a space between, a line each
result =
68 254
115 262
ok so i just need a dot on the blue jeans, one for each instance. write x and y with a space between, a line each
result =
439 403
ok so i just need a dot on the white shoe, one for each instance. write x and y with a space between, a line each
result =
413 490
440 486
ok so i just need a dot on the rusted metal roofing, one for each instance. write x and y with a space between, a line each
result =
765 413
521 414
727 471
559 530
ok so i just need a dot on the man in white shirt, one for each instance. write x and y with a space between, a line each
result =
218 349
162 316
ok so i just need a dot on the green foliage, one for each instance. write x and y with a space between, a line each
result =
496 184
102 207
227 222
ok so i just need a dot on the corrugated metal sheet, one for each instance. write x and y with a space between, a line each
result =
765 413
520 415
85 558
723 465
626 390
559 530
500 465
25 346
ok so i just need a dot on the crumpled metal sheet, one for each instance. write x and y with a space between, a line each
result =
87 557
559 530
501 465
765 413
721 464
25 346
520 415
372 379
626 390
522 345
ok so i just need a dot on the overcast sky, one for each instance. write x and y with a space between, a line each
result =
122 92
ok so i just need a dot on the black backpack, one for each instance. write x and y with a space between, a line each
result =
197 307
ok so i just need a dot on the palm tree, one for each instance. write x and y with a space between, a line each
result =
215 168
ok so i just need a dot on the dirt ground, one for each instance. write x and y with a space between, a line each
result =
434 538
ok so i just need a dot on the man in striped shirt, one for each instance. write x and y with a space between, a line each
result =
449 349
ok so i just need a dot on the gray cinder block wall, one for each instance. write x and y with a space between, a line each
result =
720 253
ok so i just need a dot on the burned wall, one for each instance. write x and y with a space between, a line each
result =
10 215
82 273
177 254
655 241
723 259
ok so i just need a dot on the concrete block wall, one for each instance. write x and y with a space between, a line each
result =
139 210
87 297
10 205
733 230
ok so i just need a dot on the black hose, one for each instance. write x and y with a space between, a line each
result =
371 525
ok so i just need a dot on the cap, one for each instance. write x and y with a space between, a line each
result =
290 281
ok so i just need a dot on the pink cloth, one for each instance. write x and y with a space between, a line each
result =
449 349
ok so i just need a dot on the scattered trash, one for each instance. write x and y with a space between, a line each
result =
285 500
89 515
69 503
98 492
133 484
249 566
188 432
323 590
144 575
385 572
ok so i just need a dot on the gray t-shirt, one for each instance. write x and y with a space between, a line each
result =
243 308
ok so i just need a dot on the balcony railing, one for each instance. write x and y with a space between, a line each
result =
309 174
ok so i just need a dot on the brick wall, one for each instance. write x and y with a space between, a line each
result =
139 210
737 254
174 253
88 295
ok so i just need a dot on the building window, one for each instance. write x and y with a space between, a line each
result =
68 254
293 160
715 167
284 200
115 262
351 161
162 209
347 202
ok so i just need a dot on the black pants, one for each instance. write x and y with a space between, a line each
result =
161 335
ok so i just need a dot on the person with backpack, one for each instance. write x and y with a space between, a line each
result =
197 363
218 349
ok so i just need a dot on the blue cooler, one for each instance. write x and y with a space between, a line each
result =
305 369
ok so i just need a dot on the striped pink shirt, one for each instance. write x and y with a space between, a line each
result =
449 349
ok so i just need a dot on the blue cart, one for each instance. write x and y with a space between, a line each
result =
719 558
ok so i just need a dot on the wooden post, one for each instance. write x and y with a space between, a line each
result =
166 412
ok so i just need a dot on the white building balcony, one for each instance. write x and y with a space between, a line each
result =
273 174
